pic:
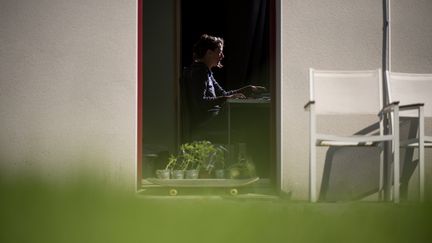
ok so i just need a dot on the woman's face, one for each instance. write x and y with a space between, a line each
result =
216 56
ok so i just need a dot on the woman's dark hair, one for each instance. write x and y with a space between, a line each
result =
206 42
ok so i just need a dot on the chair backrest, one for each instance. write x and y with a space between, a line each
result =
410 88
346 92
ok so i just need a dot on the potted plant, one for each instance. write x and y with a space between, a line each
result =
193 159
244 168
188 161
200 157
170 170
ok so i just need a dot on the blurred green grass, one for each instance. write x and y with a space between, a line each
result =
32 210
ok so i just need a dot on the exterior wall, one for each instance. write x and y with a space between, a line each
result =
68 79
411 36
339 34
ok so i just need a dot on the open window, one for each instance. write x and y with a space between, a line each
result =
249 30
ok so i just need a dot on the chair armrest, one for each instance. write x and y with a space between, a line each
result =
388 108
410 106
311 102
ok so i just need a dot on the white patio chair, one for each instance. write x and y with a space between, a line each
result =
349 93
414 93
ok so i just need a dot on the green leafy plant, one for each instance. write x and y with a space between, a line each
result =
196 155
172 163
244 168
219 157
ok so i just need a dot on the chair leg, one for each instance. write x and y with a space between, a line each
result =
421 172
396 172
312 155
381 178
312 174
396 175
421 154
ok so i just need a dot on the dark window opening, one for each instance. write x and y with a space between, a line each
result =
248 30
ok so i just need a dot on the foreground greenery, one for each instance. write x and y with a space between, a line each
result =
34 211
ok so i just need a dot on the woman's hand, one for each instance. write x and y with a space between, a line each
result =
256 89
236 96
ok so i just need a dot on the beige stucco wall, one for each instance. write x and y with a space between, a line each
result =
339 34
68 75
411 36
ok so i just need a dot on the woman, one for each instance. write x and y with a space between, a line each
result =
205 96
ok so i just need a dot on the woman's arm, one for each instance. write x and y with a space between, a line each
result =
200 91
247 90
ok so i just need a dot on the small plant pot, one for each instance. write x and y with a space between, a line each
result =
192 174
163 174
177 174
220 174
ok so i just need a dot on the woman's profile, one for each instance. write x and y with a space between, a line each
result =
205 95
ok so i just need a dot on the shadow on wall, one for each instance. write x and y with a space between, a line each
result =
352 173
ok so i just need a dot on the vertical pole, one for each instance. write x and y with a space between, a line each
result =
389 35
387 119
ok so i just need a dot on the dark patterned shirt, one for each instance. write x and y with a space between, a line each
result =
204 92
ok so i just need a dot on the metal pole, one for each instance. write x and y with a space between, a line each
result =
387 172
389 35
